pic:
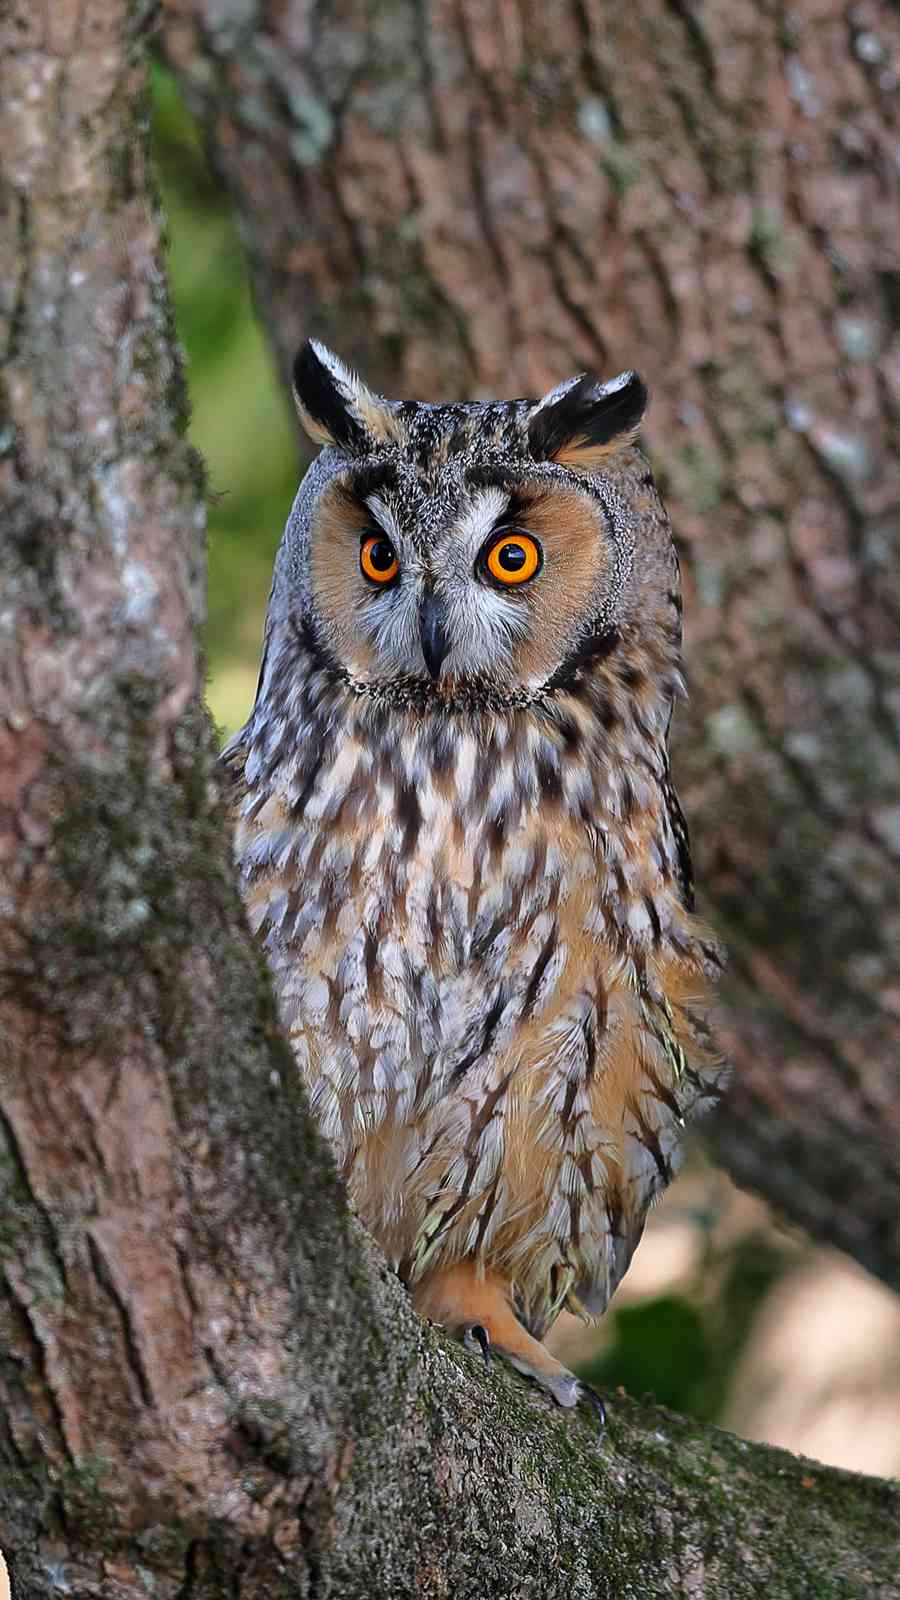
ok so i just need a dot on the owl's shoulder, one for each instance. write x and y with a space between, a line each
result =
231 767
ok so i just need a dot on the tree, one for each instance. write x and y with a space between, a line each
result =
210 1382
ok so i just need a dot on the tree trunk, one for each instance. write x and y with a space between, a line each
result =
209 1384
482 197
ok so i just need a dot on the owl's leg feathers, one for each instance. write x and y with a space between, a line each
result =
477 1306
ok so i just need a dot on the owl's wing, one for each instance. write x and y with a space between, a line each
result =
231 767
682 838
592 1295
588 1296
683 1075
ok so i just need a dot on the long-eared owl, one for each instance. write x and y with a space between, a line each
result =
460 844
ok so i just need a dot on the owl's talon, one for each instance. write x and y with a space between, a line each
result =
483 1338
594 1401
478 1307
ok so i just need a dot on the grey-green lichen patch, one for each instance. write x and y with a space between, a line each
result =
802 85
710 585
594 120
805 747
857 337
314 130
731 730
881 542
847 688
868 47
776 246
229 22
622 165
849 454
697 476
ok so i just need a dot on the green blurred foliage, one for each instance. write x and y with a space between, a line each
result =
661 1347
241 420
683 1348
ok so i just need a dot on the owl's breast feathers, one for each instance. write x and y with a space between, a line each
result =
481 940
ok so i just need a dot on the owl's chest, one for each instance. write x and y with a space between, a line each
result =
447 941
404 887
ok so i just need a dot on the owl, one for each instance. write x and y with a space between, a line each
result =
459 842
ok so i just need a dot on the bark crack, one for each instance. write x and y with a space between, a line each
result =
130 1339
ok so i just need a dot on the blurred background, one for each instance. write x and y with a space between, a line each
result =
726 1314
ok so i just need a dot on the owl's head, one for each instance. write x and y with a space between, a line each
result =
481 545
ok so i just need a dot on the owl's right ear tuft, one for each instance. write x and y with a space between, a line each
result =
584 421
334 405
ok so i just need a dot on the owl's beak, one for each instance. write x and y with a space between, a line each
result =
435 644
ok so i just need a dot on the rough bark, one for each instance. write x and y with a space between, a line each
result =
208 1383
483 196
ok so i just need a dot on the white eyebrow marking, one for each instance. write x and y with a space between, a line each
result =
383 515
477 520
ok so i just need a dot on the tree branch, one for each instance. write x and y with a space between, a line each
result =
209 1382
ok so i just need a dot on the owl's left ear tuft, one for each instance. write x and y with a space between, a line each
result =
336 407
583 422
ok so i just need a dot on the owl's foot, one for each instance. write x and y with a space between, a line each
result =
481 1337
478 1309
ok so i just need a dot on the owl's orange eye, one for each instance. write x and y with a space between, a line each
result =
514 558
378 559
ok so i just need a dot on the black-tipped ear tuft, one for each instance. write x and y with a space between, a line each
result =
322 394
583 421
336 407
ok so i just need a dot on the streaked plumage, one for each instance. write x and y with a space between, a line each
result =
472 879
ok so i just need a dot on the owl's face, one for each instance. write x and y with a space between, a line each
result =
467 543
